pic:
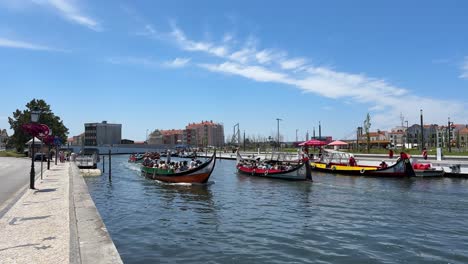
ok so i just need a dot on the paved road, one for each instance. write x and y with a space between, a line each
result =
14 174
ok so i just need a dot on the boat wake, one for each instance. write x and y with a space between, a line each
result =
132 166
184 183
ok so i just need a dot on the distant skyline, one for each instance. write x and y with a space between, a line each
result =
164 64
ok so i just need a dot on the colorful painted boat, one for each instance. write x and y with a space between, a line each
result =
336 162
298 170
200 174
136 158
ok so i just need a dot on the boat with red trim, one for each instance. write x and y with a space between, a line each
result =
297 170
199 174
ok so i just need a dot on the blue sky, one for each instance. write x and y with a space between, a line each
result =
163 64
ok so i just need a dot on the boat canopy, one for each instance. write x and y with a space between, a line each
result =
334 156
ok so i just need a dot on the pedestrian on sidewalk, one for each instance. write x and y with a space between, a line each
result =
390 153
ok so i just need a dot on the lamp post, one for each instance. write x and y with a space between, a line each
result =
278 120
296 133
48 150
422 130
34 118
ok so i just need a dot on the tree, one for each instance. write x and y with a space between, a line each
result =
367 125
19 138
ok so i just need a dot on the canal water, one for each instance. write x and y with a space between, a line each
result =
242 219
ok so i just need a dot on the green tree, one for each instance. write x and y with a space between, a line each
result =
19 138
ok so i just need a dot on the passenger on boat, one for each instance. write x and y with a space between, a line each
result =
193 163
383 164
352 161
184 166
403 155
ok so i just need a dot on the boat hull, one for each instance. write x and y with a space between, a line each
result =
297 174
429 173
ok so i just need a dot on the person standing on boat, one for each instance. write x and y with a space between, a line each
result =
383 164
424 153
352 161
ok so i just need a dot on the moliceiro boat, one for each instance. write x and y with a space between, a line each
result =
286 170
136 158
344 163
199 174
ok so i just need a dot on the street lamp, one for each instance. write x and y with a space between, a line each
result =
278 120
48 150
34 118
296 133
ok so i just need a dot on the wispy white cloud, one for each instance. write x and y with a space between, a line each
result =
129 60
190 45
256 73
18 44
464 69
291 64
148 62
177 63
68 9
384 99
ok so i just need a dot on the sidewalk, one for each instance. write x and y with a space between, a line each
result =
57 222
36 229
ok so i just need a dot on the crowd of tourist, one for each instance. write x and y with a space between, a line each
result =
257 164
153 160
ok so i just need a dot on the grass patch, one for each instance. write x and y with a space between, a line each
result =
11 154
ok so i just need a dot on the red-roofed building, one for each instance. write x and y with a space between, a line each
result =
462 136
172 137
205 133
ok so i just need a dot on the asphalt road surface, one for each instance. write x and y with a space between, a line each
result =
14 175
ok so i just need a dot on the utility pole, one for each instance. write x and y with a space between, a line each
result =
320 131
358 134
422 130
244 140
278 120
449 135
406 132
296 133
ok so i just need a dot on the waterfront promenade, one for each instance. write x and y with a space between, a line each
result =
55 223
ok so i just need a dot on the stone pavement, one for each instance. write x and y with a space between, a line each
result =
57 222
37 228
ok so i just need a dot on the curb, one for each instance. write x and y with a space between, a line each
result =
89 240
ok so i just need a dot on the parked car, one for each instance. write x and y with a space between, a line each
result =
39 156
